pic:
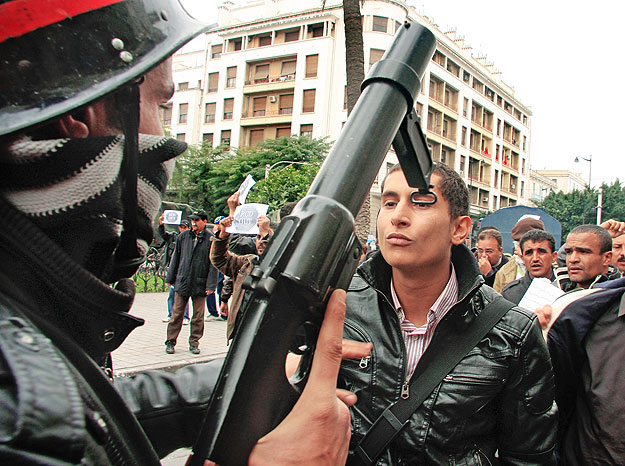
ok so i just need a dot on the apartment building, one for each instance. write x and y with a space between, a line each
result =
566 180
540 186
253 79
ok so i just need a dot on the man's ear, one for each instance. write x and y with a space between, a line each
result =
607 258
461 228
78 124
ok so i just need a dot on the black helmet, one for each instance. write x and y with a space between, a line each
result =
59 55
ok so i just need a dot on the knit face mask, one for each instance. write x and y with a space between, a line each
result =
71 190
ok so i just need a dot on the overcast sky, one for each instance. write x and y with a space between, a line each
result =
565 61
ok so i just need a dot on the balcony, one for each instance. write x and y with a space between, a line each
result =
267 117
270 83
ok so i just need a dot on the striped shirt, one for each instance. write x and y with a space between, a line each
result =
416 338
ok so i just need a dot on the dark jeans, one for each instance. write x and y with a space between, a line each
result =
197 321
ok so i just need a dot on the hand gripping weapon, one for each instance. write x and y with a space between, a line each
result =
313 252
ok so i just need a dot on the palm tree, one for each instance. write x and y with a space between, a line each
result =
355 71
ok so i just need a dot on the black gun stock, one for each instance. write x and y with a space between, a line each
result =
313 252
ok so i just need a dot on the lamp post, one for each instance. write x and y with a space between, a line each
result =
589 160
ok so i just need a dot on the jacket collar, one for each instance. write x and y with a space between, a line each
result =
377 272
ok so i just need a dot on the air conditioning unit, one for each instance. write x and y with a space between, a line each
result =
484 199
272 99
462 172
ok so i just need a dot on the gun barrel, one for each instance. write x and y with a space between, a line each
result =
389 93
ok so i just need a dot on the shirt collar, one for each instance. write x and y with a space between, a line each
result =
441 306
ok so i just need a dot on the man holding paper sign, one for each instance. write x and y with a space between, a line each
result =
538 252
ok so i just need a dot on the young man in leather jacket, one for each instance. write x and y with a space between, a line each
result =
422 286
81 179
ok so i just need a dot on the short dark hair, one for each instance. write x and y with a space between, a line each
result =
605 240
452 187
489 232
537 235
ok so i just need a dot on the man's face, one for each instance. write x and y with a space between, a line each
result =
182 228
618 252
414 237
538 258
260 245
156 90
198 225
584 260
489 248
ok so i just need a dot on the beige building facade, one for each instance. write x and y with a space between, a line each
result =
277 67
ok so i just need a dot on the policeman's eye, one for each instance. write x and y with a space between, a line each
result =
390 203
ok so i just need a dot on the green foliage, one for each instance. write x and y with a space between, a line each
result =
284 185
580 207
206 177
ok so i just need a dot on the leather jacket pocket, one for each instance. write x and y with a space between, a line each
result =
357 376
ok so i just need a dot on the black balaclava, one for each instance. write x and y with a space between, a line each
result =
71 190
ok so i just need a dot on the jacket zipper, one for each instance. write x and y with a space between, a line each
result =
474 380
364 361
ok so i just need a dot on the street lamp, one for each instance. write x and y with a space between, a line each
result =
290 162
589 160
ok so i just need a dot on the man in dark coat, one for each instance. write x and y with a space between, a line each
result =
538 253
192 275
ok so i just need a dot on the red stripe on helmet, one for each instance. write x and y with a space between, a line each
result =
19 17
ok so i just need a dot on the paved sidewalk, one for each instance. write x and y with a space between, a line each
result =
145 346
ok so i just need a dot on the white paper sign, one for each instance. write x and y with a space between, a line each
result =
172 217
246 218
540 293
245 187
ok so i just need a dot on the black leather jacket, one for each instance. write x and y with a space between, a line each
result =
497 405
57 405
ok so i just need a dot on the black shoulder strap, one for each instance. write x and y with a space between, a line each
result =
396 416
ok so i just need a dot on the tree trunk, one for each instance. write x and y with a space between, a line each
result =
355 70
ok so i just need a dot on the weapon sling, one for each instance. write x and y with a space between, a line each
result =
395 417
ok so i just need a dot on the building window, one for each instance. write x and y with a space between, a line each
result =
213 79
462 163
264 40
259 106
315 30
283 132
209 116
183 86
380 24
453 68
256 136
463 138
292 35
183 110
207 138
216 51
286 104
466 77
261 73
181 136
306 130
312 62
524 143
465 107
419 109
309 101
234 45
345 99
231 76
375 55
228 106
288 70
498 127
225 137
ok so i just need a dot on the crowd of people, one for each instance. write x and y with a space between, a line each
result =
429 357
